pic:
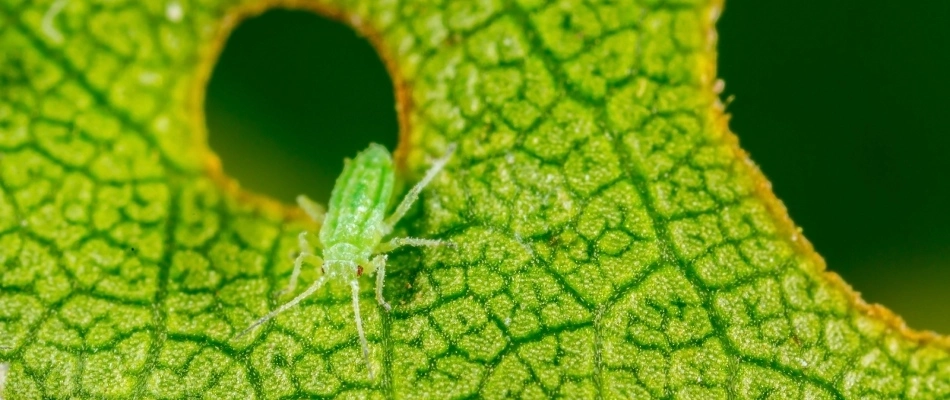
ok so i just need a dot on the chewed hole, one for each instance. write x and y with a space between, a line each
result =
291 96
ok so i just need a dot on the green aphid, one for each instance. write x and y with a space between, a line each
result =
353 229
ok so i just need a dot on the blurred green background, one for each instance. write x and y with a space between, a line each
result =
844 105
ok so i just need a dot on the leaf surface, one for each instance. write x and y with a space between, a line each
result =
613 241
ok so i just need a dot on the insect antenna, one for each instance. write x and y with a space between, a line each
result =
306 293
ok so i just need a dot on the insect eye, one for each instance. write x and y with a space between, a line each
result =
359 270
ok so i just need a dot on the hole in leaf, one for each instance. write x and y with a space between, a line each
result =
291 96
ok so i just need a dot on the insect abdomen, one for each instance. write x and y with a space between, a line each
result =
359 199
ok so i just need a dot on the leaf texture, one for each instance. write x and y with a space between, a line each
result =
613 240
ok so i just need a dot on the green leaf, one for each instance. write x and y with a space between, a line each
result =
613 240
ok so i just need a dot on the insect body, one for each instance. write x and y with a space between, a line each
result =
354 226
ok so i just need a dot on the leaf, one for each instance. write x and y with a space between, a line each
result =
614 242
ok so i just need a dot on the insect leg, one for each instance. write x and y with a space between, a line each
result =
298 263
379 263
410 241
303 244
310 290
312 208
414 192
355 285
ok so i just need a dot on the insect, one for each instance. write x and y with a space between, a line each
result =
353 229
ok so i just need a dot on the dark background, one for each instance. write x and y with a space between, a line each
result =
844 105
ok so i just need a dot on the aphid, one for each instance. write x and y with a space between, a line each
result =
353 229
